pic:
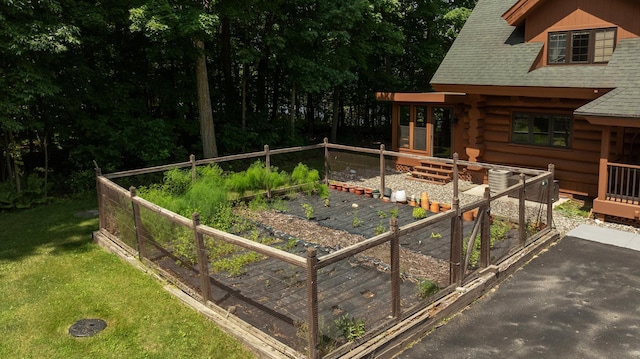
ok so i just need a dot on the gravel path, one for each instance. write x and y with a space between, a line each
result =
444 194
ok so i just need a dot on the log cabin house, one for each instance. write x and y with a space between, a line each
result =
533 82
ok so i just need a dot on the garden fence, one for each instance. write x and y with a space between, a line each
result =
306 289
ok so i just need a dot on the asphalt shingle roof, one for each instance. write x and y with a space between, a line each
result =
490 52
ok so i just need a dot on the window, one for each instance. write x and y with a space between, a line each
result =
581 47
420 129
541 129
405 123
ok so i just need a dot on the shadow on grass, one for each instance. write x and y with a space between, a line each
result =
54 229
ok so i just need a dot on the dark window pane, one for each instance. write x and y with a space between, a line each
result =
541 130
403 131
580 46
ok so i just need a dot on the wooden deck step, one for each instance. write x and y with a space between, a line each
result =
433 172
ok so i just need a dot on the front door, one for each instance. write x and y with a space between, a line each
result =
441 121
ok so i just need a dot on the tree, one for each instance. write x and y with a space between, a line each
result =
32 35
161 19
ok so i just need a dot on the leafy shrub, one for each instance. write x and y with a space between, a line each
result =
351 328
33 192
419 213
425 288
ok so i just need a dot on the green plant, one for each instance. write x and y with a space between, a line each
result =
380 228
235 265
419 213
351 328
356 222
382 214
309 211
572 209
393 212
436 235
426 288
308 179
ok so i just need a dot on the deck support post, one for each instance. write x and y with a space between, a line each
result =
312 302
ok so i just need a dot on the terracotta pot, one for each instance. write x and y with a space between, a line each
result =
435 207
345 187
352 189
332 185
467 216
412 203
445 207
359 191
424 200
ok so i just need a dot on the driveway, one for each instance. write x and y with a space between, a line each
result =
578 299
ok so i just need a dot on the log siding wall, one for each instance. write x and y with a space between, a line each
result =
576 167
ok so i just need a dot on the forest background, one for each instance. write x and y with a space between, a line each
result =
135 83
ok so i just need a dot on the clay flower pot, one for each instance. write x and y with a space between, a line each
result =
345 187
359 191
467 216
368 192
445 207
435 207
424 200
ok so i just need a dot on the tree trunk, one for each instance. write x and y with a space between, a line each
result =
292 111
336 114
310 113
207 130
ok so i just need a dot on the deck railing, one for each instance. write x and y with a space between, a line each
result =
623 183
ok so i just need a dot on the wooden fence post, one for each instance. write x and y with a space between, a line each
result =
395 268
455 259
552 190
455 175
522 225
203 262
326 161
192 159
137 224
312 301
382 169
267 166
101 209
485 232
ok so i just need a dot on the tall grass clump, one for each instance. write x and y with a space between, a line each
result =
257 178
308 179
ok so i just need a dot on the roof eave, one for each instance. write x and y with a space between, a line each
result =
519 11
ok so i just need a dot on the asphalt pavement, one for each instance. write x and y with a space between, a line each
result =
578 299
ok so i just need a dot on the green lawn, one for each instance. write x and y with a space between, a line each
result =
52 275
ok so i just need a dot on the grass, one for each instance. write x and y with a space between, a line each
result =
51 275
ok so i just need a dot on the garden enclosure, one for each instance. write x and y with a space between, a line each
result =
322 298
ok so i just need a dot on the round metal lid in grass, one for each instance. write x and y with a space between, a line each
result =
87 327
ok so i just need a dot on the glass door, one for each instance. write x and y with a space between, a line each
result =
441 120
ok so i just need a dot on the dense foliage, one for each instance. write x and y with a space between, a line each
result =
136 83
